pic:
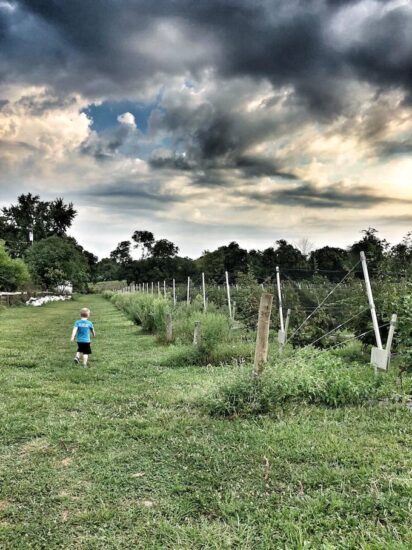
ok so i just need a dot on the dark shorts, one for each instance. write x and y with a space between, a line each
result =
84 347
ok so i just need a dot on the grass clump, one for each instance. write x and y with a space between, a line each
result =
145 310
308 376
216 341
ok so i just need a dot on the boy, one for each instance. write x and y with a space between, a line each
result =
82 329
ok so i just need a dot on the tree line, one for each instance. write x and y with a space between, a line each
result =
55 257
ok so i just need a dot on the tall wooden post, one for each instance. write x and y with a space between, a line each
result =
152 287
164 289
158 288
282 326
287 324
188 291
169 328
229 304
174 292
204 292
196 334
262 337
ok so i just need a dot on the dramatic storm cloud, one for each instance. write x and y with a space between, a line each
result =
248 119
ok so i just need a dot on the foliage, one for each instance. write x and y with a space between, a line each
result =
13 273
121 456
306 377
107 285
146 310
149 311
55 260
44 218
397 298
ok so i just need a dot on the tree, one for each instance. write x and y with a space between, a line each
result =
164 249
400 256
107 270
31 214
55 260
329 258
229 258
121 254
13 273
144 240
374 248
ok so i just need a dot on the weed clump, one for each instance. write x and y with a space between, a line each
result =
308 376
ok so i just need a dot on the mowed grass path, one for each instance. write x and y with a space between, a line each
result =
122 456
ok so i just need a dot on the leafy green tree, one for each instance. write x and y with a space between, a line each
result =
13 273
329 259
121 254
43 218
55 260
164 249
399 258
107 270
145 241
231 258
374 247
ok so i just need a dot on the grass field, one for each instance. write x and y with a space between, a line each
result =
122 455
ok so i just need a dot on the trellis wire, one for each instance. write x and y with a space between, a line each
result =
321 304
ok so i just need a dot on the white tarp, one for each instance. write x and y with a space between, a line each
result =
36 302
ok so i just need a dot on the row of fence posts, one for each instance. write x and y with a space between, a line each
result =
144 287
380 356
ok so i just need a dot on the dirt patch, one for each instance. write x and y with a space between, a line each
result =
39 444
65 462
4 504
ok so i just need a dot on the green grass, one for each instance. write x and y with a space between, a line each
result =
122 455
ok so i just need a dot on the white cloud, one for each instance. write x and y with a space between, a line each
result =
128 119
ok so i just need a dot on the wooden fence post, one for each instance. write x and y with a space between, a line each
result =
169 328
196 334
204 292
262 337
174 292
188 291
229 304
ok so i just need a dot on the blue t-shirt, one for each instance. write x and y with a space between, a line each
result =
84 328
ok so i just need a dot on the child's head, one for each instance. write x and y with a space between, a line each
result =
85 313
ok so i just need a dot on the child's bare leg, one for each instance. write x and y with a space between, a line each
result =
85 358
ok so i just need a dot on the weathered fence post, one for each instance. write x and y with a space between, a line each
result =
169 328
262 337
204 292
196 334
188 291
164 289
229 304
174 292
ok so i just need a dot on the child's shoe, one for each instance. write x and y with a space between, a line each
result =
76 360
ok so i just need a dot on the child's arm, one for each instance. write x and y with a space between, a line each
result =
74 332
93 332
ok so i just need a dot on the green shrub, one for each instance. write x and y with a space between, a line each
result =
307 377
144 309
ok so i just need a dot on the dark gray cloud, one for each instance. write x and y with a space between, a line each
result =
139 195
394 148
103 47
334 196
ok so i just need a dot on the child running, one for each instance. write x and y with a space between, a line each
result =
82 328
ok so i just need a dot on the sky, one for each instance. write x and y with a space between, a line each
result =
207 121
